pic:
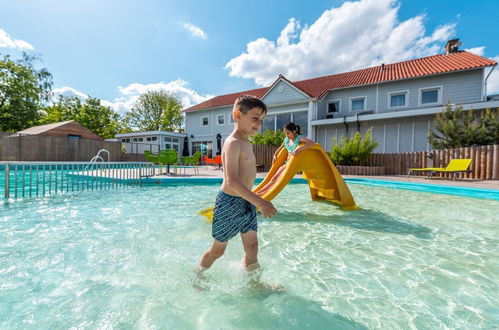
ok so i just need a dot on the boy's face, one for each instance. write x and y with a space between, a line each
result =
251 122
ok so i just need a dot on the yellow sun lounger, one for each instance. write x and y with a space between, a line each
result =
455 166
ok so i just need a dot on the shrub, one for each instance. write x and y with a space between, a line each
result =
354 150
455 128
274 138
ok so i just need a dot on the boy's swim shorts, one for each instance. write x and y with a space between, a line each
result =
232 215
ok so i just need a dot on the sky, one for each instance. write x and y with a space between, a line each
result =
115 50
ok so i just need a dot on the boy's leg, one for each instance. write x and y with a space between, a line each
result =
216 250
250 244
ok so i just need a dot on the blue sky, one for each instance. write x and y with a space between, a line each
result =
116 49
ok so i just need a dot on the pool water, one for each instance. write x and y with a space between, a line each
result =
124 259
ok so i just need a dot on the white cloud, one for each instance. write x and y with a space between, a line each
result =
194 30
129 94
356 35
6 41
493 81
68 92
480 51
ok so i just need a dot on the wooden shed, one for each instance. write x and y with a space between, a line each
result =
71 129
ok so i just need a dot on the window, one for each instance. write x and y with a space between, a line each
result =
333 106
231 118
168 146
204 121
168 139
134 139
398 99
123 140
140 139
154 138
126 140
358 103
301 118
174 140
282 120
148 138
268 123
430 95
220 119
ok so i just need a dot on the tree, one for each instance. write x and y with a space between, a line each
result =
156 110
352 151
274 138
455 128
23 89
98 118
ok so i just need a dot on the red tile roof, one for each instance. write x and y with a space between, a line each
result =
318 87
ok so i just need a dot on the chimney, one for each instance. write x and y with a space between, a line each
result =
382 66
452 46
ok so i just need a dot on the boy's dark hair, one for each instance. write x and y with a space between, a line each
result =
245 103
293 128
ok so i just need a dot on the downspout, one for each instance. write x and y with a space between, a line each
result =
358 122
485 83
346 125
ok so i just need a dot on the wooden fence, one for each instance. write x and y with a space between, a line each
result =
15 147
484 165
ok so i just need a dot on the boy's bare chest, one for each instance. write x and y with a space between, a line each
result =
247 156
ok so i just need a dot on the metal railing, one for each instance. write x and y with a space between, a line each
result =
34 179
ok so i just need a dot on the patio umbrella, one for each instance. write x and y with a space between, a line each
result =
185 152
219 144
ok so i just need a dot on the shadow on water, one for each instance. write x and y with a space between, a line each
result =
361 219
282 311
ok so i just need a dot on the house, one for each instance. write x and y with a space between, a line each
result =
137 142
398 100
72 129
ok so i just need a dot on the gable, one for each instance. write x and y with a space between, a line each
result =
283 92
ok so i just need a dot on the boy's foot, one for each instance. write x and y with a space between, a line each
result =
200 278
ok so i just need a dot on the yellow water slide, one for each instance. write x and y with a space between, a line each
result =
324 179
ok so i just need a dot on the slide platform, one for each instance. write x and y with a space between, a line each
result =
324 179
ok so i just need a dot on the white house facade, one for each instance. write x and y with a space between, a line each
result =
399 101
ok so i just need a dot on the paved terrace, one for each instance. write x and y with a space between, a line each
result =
211 172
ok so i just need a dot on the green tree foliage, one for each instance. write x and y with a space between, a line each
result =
352 151
156 110
274 138
98 118
455 128
23 89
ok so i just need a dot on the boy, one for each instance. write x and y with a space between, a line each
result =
235 206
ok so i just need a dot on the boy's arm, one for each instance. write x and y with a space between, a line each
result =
231 168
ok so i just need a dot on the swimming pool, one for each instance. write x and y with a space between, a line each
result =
123 259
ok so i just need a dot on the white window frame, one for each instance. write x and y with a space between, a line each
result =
358 98
218 116
207 118
425 89
333 101
406 104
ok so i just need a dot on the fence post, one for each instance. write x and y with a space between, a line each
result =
7 181
495 162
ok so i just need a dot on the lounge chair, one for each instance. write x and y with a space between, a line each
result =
192 161
169 157
455 166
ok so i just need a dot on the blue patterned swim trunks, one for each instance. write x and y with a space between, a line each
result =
232 215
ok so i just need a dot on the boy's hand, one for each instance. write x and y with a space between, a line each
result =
267 209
